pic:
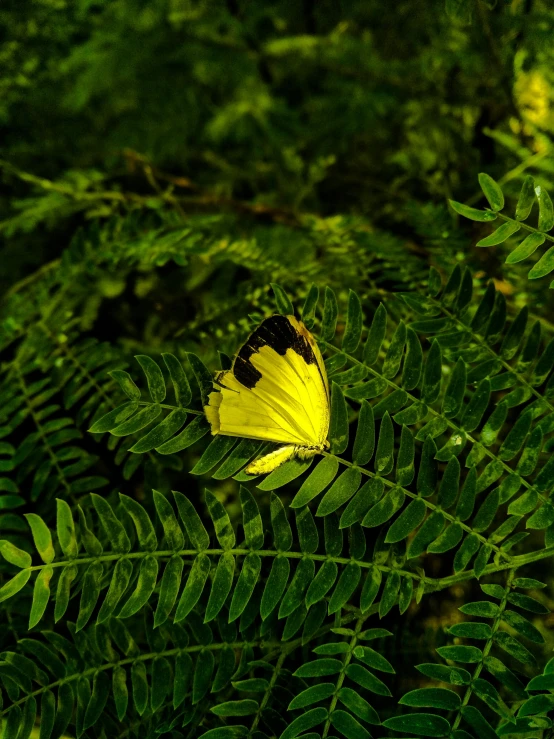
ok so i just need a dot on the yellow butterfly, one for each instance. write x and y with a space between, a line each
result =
277 390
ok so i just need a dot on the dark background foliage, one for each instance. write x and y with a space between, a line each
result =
161 164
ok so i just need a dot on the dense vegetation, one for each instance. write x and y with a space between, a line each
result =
172 172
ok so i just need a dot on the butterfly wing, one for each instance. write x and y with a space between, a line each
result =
276 390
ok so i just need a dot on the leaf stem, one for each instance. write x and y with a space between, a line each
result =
347 658
486 649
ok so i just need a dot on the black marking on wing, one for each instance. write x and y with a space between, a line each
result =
278 333
246 373
218 380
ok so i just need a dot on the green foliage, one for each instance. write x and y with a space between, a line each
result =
530 193
174 172
428 470
496 646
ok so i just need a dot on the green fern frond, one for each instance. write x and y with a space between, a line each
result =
536 236
425 425
497 646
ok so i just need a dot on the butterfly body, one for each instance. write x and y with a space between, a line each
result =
276 390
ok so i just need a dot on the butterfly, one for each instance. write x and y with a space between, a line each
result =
276 390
